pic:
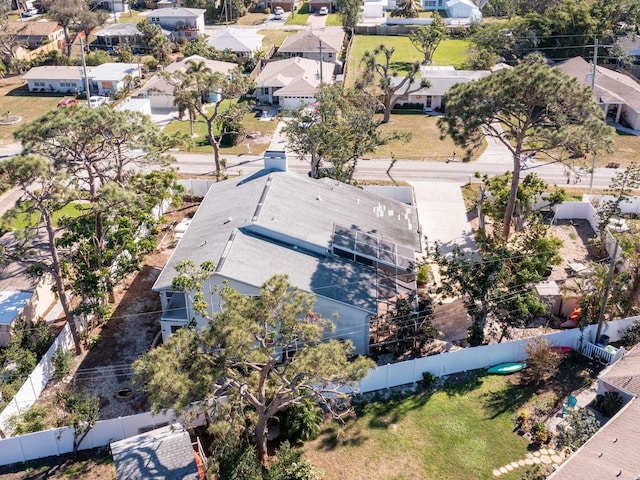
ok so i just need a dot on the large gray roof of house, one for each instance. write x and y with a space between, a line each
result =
161 454
309 41
241 219
252 260
625 373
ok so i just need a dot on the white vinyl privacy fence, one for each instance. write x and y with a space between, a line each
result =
403 373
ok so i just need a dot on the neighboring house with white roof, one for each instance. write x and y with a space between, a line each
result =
118 34
60 79
104 79
293 82
159 90
244 42
108 78
21 295
617 93
182 22
612 452
441 79
309 44
350 247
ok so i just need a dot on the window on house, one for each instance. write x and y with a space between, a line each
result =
430 3
175 328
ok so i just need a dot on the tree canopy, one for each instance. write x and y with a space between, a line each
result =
90 157
336 130
531 109
427 38
212 98
382 81
238 357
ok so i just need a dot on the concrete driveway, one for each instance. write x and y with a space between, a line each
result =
316 21
443 216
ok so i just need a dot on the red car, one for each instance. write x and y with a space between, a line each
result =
67 102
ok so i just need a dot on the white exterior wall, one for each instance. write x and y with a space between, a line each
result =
632 117
290 103
58 86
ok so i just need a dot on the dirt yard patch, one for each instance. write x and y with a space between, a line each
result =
95 464
105 370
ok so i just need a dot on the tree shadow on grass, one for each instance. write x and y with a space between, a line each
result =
463 383
507 399
401 66
386 412
335 435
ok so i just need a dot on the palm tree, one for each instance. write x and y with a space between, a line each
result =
408 9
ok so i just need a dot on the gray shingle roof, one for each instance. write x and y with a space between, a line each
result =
610 86
268 223
309 41
161 454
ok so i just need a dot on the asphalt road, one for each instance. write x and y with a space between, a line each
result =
459 172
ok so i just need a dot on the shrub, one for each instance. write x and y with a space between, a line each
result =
291 466
301 422
428 379
539 433
33 420
240 464
609 403
522 421
541 360
62 362
631 335
424 274
579 426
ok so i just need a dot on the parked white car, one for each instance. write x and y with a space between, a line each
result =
323 11
97 100
30 12
278 11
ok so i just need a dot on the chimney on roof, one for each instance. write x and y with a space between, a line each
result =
276 160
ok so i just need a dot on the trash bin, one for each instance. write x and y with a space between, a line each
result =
604 340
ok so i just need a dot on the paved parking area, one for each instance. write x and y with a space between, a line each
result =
443 215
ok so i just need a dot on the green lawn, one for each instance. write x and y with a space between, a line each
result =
449 52
462 431
261 130
24 219
274 37
16 99
300 16
334 20
424 144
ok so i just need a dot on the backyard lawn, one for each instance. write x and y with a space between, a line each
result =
425 143
449 52
16 100
462 431
274 37
24 219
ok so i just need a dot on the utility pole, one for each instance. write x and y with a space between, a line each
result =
593 91
607 289
84 73
321 62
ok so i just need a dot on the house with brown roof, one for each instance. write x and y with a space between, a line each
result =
612 453
616 92
30 39
159 90
293 82
310 44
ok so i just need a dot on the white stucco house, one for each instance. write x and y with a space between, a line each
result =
293 82
104 79
244 42
350 247
617 93
441 79
159 90
182 22
113 6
